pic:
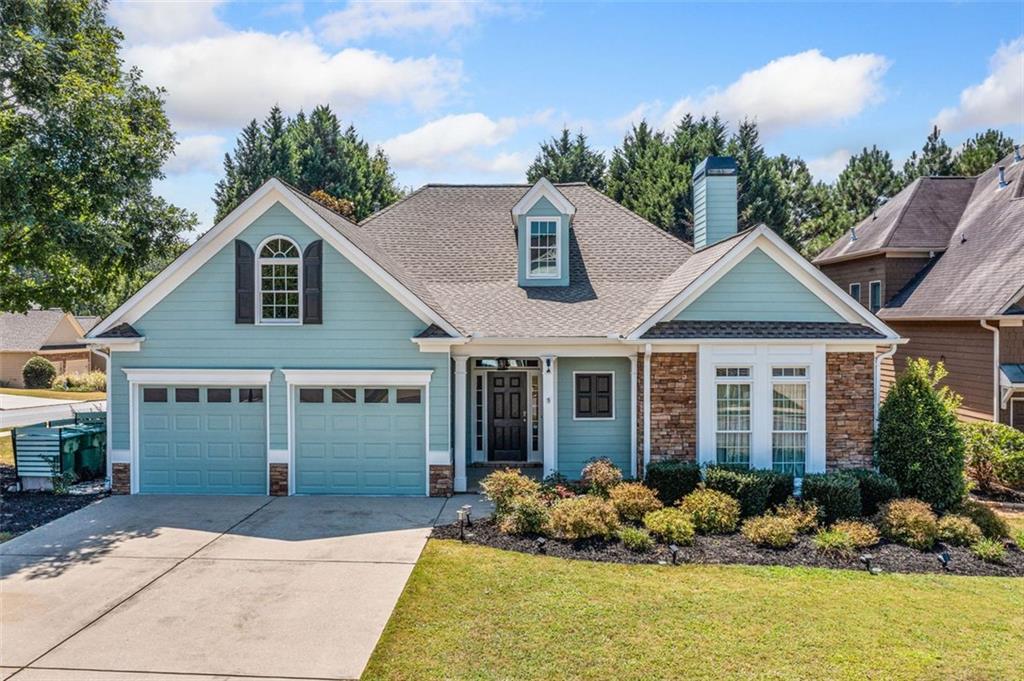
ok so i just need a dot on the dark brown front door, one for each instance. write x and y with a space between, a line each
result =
506 400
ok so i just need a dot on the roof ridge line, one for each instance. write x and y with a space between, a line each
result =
903 211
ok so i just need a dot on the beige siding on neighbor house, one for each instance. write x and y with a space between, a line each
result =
10 367
65 333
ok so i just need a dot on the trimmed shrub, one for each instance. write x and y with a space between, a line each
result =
919 441
803 514
911 522
991 524
526 515
752 488
958 530
837 495
862 535
875 489
1018 539
583 517
672 480
833 542
636 539
634 500
989 550
600 475
94 381
772 531
672 525
781 487
711 512
38 372
994 454
505 486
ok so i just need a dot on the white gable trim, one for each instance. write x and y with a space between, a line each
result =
543 188
272 191
782 253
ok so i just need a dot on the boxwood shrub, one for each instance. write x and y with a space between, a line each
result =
875 489
38 372
672 480
756 490
995 454
836 494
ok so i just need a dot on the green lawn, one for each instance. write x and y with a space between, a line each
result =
474 612
53 394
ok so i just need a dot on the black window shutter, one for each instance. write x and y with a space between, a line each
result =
245 283
312 283
593 396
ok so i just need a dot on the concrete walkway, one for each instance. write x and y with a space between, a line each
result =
156 588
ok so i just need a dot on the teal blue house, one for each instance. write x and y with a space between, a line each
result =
291 351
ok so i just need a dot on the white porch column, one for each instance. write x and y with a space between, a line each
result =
632 416
460 423
647 406
549 398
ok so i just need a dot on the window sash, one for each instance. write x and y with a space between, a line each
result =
876 296
542 249
733 423
789 427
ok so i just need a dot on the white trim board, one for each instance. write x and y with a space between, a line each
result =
272 191
782 253
543 188
530 219
356 377
199 376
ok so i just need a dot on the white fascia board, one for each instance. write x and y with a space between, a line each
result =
543 188
382 377
782 253
438 344
539 349
199 376
272 191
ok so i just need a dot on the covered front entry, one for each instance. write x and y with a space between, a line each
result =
202 439
360 440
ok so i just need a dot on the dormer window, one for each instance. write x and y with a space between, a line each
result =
279 266
543 249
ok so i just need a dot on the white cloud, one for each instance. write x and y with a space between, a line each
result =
435 143
196 153
828 167
162 23
223 81
509 165
644 110
363 20
997 100
797 89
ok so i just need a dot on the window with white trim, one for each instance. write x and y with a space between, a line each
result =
280 264
542 249
855 291
732 416
789 420
875 292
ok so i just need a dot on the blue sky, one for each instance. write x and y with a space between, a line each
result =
464 92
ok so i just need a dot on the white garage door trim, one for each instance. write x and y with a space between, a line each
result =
392 378
138 377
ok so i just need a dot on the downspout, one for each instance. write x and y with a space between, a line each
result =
878 380
647 406
995 369
107 435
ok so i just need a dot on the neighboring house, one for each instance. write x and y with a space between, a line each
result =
52 334
942 263
291 351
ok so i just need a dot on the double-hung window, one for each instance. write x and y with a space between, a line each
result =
875 291
279 286
789 420
855 291
542 249
732 417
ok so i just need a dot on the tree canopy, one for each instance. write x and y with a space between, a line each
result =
312 153
83 140
568 159
981 152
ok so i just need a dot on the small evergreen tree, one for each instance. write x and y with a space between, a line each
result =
981 152
919 443
568 159
936 159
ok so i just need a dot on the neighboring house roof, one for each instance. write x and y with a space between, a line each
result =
28 332
456 240
981 272
87 322
798 330
921 217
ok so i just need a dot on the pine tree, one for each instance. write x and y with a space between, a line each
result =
760 199
692 142
642 176
568 159
868 178
936 159
279 161
981 152
809 205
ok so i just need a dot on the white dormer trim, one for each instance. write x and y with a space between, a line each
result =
272 191
795 264
543 188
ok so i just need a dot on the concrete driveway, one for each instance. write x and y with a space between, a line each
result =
295 587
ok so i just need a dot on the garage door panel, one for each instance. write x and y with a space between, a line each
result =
377 422
344 423
202 447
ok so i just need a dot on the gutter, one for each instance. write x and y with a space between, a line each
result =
995 368
107 436
878 380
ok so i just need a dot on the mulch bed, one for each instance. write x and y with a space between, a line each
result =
734 549
24 511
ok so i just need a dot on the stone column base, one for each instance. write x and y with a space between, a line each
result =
278 479
121 478
441 481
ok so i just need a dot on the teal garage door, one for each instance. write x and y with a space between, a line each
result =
360 440
202 440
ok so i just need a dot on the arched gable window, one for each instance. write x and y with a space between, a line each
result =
280 265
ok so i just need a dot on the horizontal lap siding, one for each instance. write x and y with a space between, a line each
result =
894 273
580 440
363 327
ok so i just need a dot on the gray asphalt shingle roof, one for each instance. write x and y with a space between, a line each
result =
27 332
744 329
